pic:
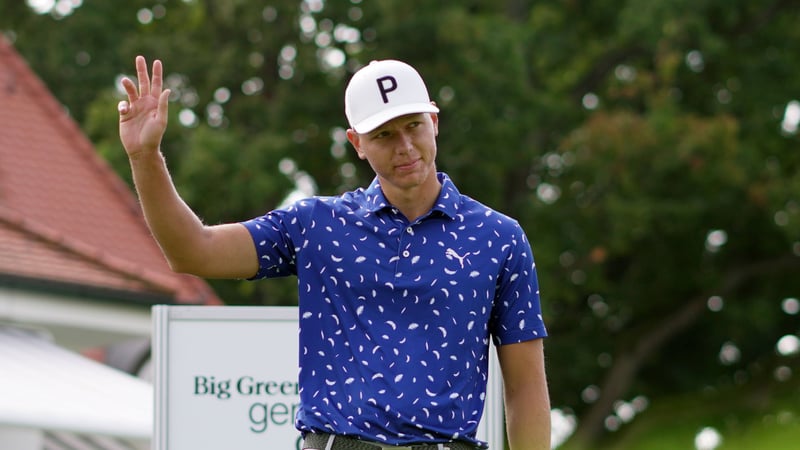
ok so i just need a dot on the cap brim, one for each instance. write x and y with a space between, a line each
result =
376 120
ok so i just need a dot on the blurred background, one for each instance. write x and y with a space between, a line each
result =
649 148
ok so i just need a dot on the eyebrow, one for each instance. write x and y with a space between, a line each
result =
412 117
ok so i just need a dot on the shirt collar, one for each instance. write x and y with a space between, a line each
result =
447 203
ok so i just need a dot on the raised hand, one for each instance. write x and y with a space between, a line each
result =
143 117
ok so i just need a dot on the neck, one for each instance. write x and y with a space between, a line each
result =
417 201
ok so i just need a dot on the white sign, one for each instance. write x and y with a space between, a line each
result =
226 377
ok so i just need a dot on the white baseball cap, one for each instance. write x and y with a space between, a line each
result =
383 90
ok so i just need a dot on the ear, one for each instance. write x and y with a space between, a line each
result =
435 120
355 141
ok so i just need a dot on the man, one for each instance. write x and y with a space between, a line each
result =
402 285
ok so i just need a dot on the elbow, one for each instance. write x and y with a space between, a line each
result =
179 268
198 266
183 266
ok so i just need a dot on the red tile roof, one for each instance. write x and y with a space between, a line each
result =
65 216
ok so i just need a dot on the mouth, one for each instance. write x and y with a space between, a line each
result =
407 166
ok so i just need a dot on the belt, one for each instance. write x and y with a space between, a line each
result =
324 441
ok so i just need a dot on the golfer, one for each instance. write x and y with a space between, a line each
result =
403 285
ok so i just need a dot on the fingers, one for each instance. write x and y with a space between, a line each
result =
123 107
158 79
146 87
141 74
130 89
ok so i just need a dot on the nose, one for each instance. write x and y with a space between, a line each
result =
404 143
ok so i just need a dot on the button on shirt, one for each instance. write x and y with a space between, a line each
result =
395 316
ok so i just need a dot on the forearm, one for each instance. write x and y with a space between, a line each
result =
173 224
528 421
220 251
527 401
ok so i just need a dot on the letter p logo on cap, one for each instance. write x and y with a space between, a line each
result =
385 89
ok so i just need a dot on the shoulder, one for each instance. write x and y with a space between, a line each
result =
473 210
326 207
462 207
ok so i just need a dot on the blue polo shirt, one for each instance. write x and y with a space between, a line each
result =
396 316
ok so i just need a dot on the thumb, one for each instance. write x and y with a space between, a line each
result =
163 104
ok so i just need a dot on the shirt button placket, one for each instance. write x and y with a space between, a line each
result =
409 231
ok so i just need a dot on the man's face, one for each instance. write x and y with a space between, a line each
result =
402 151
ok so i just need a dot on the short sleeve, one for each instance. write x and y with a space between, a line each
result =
517 313
274 243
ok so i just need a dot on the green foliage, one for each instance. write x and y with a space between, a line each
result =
639 143
762 415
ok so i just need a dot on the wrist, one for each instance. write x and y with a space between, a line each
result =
146 157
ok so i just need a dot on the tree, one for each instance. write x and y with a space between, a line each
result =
667 202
